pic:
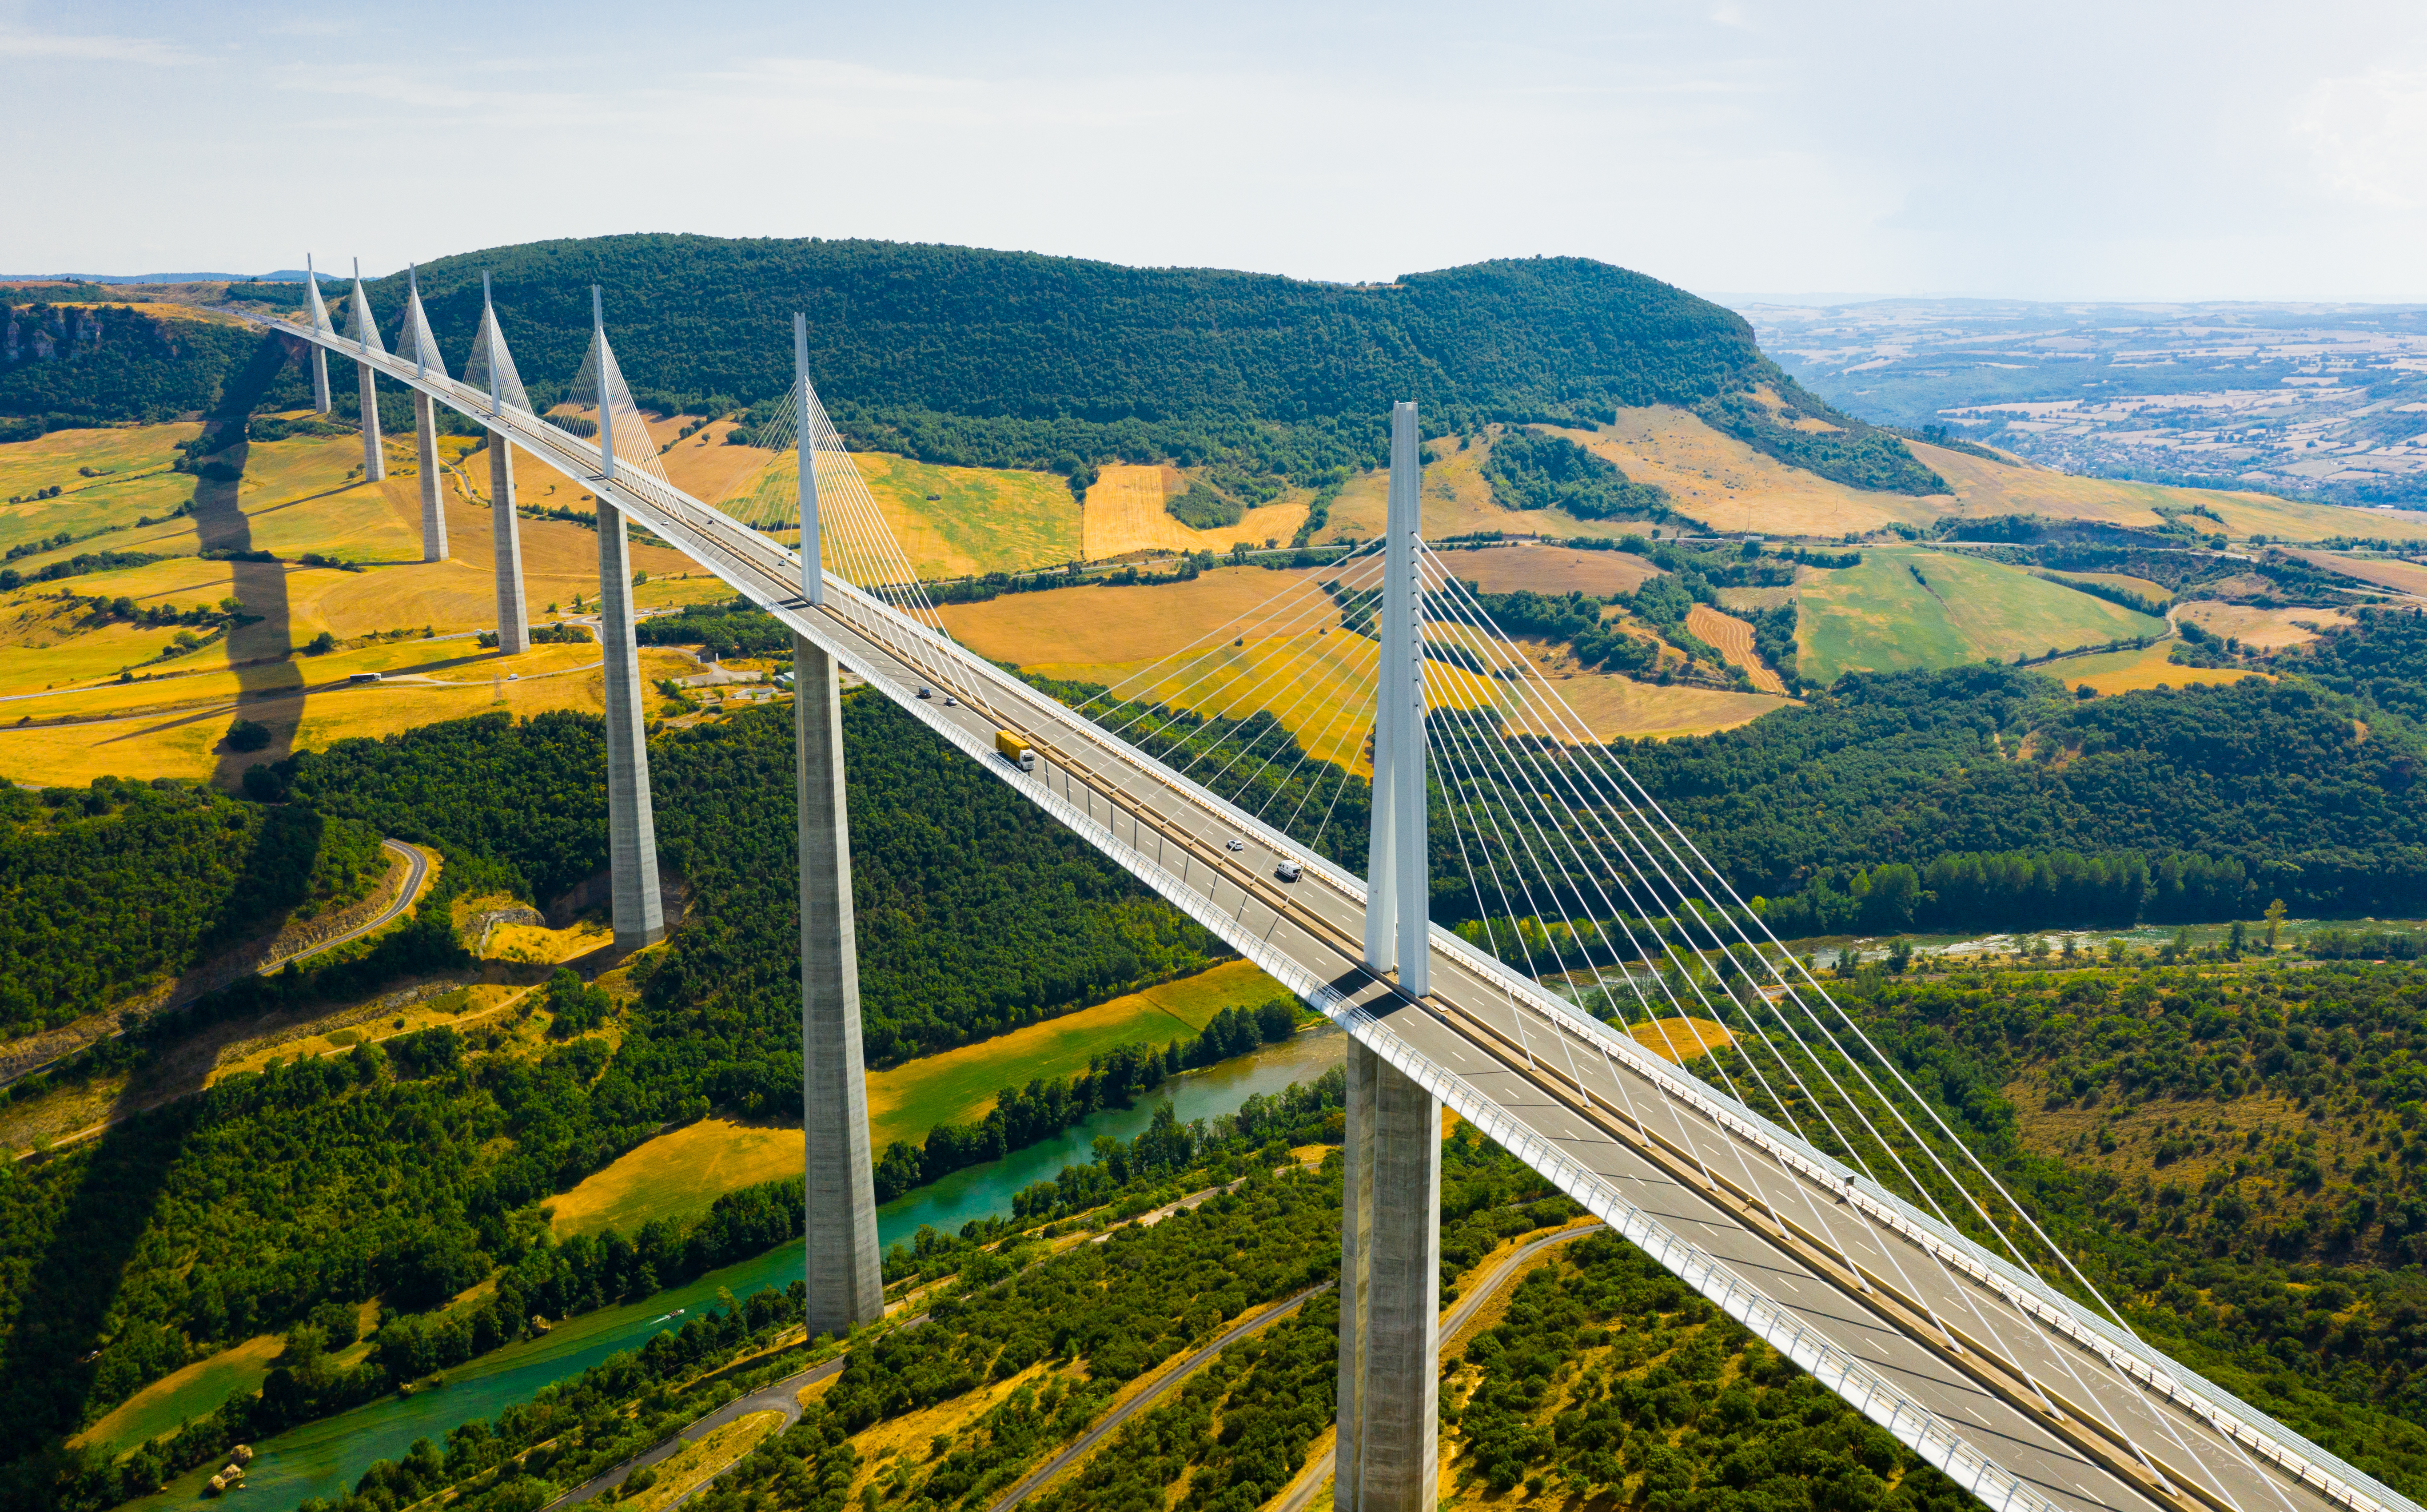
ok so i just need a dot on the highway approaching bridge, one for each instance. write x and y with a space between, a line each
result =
2032 1400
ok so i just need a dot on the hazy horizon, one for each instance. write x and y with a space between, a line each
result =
2060 153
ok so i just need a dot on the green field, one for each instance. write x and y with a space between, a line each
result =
164 1406
677 1175
958 1086
954 521
1881 617
132 480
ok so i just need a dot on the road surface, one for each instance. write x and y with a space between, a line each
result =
1911 1327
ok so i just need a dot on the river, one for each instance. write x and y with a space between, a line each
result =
326 1457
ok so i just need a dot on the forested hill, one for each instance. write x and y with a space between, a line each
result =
970 331
960 354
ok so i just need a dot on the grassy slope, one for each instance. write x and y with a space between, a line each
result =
952 521
1984 488
1879 617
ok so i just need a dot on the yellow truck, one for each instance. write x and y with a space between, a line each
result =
1016 750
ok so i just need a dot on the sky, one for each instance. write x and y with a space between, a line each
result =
2053 150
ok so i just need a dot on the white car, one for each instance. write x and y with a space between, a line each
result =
1287 869
950 701
1235 845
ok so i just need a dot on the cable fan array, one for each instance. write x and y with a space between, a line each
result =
1578 877
1575 868
855 540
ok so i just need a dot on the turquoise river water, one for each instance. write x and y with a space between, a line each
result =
326 1457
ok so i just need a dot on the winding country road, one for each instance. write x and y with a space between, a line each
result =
417 864
417 871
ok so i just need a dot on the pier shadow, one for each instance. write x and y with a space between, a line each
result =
261 649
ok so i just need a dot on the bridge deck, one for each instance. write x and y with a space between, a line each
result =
1770 1239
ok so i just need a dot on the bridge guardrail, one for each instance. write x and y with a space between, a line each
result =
1906 1420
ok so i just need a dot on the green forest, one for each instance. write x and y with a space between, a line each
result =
1532 471
113 887
245 1208
2232 1149
966 356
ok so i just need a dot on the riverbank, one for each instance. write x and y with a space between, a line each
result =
322 1458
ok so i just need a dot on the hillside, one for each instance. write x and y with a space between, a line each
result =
964 355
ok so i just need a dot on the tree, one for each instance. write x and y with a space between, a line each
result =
2275 922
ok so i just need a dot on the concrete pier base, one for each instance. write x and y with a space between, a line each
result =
374 459
505 537
1389 1293
320 381
631 824
844 1274
433 497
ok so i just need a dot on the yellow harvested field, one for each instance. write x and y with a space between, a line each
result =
704 465
691 1467
1138 623
1984 488
176 727
2131 671
1681 1039
1318 686
676 1175
1550 569
2266 629
1124 515
1613 707
2404 577
1727 485
1733 638
104 476
2285 519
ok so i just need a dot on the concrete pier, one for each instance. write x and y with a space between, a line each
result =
631 824
506 538
433 497
319 380
1389 1293
844 1274
374 460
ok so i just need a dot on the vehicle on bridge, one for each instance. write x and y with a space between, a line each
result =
1016 750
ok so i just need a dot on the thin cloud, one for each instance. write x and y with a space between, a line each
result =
2365 131
95 49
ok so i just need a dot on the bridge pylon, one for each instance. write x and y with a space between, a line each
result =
631 822
319 353
414 341
1390 1211
843 1271
491 364
366 339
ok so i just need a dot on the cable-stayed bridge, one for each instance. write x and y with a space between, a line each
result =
1805 1188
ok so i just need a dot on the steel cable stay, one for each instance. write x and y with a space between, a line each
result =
1453 792
1506 761
1996 1334
1511 781
1502 788
1307 611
